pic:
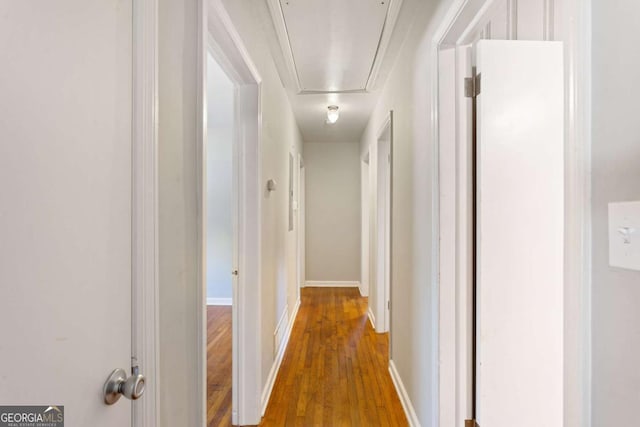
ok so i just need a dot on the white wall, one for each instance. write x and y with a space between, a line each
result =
332 212
220 245
615 177
179 394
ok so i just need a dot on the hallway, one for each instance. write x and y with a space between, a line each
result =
319 213
335 369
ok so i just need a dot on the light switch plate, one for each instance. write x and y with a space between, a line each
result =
624 235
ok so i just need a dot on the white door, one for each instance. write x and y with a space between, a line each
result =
520 119
65 205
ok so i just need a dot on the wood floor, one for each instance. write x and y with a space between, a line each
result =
334 372
218 365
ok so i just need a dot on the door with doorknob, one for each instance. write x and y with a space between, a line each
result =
65 209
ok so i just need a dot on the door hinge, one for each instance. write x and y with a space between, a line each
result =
472 86
471 423
388 305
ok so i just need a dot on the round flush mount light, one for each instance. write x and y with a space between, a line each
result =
332 114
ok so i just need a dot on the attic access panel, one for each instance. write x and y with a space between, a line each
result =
334 42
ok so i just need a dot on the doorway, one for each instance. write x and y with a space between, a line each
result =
221 242
383 228
365 198
300 236
229 196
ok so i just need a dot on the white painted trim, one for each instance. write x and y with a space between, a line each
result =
387 31
362 294
219 36
228 47
383 290
372 318
273 373
412 417
201 212
575 21
145 292
220 301
277 15
335 284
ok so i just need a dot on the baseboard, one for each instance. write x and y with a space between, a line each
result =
327 284
412 417
273 373
362 294
219 301
372 319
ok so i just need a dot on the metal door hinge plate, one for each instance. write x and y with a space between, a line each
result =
472 86
470 423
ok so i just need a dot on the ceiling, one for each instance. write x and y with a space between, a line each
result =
336 52
333 42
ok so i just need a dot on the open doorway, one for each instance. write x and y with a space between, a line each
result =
221 241
229 195
365 197
383 228
300 210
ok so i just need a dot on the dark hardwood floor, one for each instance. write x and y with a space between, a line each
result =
218 365
334 372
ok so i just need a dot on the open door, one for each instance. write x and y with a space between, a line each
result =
66 210
519 233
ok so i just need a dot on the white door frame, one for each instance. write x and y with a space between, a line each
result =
145 278
218 36
383 235
456 27
365 198
300 237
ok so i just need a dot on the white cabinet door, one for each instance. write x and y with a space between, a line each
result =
520 119
65 205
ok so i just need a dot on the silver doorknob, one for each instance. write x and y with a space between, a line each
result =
119 385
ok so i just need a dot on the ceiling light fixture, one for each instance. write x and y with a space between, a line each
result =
332 114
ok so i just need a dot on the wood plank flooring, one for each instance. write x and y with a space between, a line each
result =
218 365
334 372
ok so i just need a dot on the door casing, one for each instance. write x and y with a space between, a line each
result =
454 263
382 215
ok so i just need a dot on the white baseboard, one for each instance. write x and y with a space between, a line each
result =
412 417
372 318
327 284
219 301
273 373
362 294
